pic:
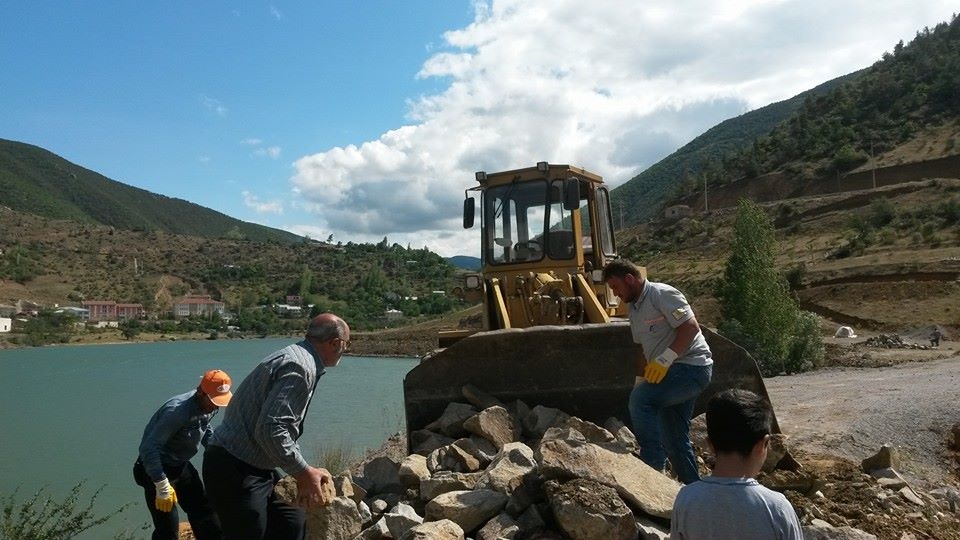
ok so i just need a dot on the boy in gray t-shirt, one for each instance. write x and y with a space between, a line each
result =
730 503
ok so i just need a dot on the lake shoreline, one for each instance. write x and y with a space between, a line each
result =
367 344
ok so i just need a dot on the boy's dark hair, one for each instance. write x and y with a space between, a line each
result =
620 268
736 420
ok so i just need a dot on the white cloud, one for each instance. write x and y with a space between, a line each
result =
214 105
610 86
272 152
261 207
275 12
251 141
204 159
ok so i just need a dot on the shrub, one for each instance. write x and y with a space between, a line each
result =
846 158
881 212
42 518
334 458
806 346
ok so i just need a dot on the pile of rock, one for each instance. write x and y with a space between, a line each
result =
892 341
489 471
493 471
872 501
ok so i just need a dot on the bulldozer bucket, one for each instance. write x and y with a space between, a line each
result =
584 370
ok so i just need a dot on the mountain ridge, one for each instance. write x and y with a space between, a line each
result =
37 181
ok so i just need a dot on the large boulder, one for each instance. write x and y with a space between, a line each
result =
507 470
443 529
494 424
468 509
339 519
644 488
588 510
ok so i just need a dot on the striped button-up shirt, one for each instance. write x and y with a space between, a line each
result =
265 417
174 434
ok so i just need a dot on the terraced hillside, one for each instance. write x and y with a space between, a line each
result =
886 258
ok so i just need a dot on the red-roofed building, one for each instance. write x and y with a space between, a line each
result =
101 310
130 311
108 310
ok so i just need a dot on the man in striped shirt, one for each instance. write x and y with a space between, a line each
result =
259 434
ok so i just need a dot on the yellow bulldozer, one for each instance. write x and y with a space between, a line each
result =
553 333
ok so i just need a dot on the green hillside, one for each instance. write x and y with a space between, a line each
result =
645 194
902 109
36 181
63 262
907 93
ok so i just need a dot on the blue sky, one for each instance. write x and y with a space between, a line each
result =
366 119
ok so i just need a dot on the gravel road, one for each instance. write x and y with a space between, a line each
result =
851 412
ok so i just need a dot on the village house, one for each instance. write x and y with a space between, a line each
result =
130 311
197 305
80 313
100 310
677 211
108 310
6 324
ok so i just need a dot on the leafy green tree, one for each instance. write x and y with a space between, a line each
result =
757 308
49 327
130 328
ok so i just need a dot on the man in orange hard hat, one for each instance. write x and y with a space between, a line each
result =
172 436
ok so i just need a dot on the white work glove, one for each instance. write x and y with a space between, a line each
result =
166 496
657 368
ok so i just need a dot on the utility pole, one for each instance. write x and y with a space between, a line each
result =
706 203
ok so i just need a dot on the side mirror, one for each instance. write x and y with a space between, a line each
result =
468 210
571 194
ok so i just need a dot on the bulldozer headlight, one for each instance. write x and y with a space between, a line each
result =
543 166
472 282
480 176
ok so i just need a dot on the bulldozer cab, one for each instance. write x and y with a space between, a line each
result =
546 233
534 216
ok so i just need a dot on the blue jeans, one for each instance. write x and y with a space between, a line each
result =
660 414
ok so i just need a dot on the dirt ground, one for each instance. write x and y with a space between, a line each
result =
836 417
910 402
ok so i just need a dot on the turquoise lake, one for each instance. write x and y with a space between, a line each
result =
75 413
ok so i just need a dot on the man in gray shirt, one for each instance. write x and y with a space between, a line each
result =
259 434
730 503
676 365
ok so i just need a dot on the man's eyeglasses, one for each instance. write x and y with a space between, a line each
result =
344 344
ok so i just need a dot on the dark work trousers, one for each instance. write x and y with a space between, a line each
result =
190 496
244 499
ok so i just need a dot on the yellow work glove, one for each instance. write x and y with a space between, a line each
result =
166 496
657 368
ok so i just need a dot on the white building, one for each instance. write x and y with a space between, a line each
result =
5 324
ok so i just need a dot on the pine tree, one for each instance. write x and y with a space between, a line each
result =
758 311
